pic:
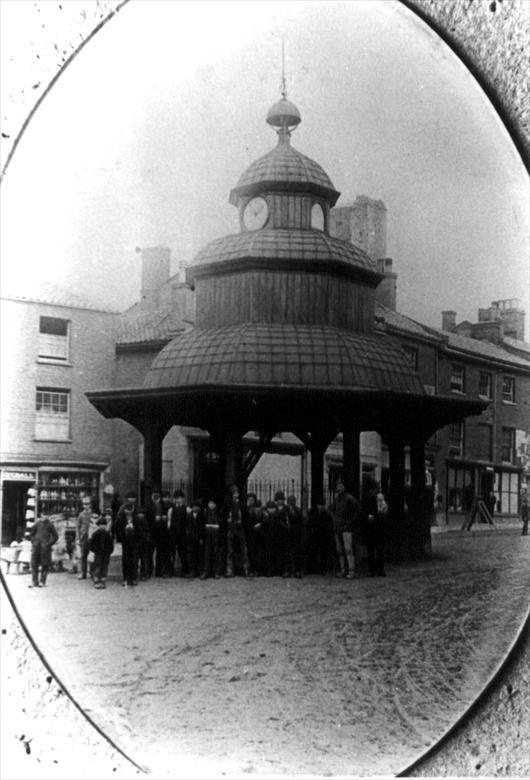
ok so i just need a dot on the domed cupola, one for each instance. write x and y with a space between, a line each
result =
284 169
284 200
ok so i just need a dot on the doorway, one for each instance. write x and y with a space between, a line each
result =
13 510
486 479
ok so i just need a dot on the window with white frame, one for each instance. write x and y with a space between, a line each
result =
458 378
53 338
485 384
506 490
412 355
52 414
456 438
460 488
508 389
508 445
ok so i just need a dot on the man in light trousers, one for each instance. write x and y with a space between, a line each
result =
346 514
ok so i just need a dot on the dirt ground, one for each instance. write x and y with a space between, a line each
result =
286 677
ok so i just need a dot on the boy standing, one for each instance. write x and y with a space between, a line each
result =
43 537
129 546
84 519
101 545
211 541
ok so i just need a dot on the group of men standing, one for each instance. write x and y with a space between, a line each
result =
167 537
209 540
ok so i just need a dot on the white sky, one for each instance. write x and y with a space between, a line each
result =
146 132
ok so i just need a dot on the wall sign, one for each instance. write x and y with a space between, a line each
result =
19 476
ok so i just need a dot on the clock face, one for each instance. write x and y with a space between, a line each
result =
317 217
256 214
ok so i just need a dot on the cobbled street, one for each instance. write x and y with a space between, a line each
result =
273 676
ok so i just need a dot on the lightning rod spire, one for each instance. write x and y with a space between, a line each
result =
284 83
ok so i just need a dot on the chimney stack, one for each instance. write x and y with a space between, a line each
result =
386 291
156 262
363 224
449 320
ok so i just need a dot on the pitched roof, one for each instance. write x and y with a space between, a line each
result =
520 346
140 326
396 320
53 295
484 349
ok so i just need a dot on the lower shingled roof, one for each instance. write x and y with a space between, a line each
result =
289 356
284 244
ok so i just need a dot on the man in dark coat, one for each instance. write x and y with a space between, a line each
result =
375 536
101 545
211 530
153 509
129 549
177 521
130 505
160 536
295 532
236 543
281 531
43 536
194 534
255 535
143 530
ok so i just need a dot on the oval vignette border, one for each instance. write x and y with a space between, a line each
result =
495 73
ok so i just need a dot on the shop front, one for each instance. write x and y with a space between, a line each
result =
468 481
15 484
57 490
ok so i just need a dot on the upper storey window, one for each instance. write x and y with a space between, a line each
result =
508 389
53 338
485 385
52 419
458 378
318 221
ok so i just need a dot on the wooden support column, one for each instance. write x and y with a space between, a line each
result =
420 528
396 495
351 458
317 475
153 440
303 481
233 460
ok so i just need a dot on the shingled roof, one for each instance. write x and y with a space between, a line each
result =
284 165
284 244
141 326
288 356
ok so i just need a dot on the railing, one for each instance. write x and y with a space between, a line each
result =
265 489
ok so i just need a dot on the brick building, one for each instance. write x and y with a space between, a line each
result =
487 453
55 347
